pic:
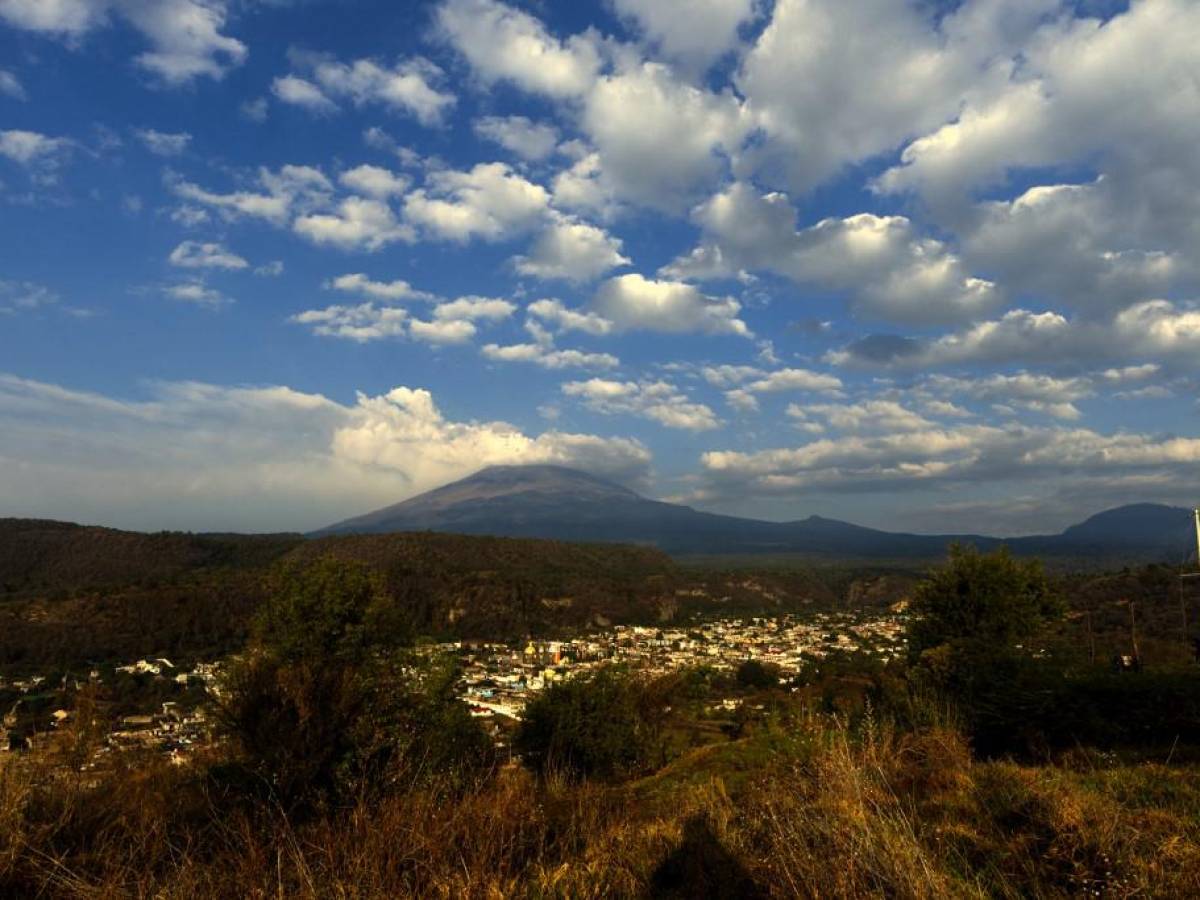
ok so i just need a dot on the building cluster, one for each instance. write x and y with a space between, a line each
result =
172 727
498 679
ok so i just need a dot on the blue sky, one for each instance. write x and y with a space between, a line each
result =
264 265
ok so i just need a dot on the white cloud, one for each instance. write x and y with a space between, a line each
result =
198 294
472 308
42 155
633 302
199 456
1025 390
866 415
506 44
23 296
973 454
357 223
442 331
288 190
164 143
885 267
407 87
374 181
10 86
659 401
541 351
571 250
872 73
533 141
361 323
661 143
196 255
582 188
554 312
358 283
490 202
1152 329
297 91
67 17
794 380
271 269
185 36
694 32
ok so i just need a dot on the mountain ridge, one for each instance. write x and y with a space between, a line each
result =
549 501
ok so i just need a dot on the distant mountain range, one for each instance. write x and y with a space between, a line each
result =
555 502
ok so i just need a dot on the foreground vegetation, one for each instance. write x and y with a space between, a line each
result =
983 765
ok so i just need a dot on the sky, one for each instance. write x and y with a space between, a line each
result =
931 266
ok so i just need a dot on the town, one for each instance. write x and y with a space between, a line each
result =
164 707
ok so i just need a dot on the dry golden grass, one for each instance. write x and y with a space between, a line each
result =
842 814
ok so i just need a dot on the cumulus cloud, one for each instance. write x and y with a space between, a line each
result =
1153 329
297 91
280 194
358 283
975 454
197 255
555 313
695 34
872 74
533 141
490 201
197 293
571 250
356 223
506 44
661 142
374 181
866 415
885 267
634 302
185 36
362 322
451 322
201 456
659 401
542 351
409 87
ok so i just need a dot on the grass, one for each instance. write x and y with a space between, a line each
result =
820 811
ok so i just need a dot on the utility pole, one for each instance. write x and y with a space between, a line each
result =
1137 656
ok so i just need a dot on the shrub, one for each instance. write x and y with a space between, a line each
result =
326 705
759 675
594 725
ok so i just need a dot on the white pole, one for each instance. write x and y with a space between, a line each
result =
1196 516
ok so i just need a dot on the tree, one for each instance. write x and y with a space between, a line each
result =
326 703
758 675
983 602
593 725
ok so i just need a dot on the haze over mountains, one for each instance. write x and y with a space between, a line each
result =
556 502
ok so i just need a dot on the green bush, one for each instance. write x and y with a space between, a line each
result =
326 704
601 725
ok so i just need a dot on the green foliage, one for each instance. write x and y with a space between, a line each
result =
988 601
602 725
326 705
328 611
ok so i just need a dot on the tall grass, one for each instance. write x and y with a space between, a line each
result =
869 811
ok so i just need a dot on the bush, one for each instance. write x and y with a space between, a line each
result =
757 675
325 704
596 725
